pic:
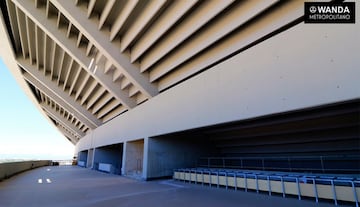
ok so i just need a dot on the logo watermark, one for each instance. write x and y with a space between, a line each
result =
329 12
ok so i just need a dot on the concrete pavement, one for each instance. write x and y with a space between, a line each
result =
69 186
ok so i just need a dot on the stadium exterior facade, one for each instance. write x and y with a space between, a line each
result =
145 87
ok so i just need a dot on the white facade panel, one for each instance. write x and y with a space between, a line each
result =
305 66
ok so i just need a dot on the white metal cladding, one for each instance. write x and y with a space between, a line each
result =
88 61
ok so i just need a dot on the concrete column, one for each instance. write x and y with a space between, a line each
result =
90 158
123 165
145 159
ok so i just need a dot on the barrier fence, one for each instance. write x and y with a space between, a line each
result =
9 169
312 164
300 185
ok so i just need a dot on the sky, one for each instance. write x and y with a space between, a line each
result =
24 132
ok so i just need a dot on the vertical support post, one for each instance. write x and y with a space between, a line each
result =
90 158
210 179
184 170
334 192
355 194
196 181
123 164
235 181
298 187
226 180
202 177
189 175
245 182
315 191
145 159
257 183
269 185
282 186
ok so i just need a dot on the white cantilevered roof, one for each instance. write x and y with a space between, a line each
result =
88 61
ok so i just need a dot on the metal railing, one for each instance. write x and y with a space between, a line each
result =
62 162
315 164
300 185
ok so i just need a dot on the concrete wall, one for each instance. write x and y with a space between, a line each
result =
168 153
307 65
9 169
82 157
109 155
134 157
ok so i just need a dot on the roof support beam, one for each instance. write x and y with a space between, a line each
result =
58 117
73 139
78 54
109 49
44 84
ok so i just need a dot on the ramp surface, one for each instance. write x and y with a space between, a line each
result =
74 186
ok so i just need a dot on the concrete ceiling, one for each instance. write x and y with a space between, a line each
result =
88 61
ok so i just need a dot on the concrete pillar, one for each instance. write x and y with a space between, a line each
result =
145 158
166 153
90 158
123 165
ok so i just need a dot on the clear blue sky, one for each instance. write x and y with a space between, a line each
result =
24 132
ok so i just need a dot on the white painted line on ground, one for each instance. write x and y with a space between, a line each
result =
167 182
40 181
48 180
102 199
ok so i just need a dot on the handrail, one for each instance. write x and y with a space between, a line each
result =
321 164
285 157
299 179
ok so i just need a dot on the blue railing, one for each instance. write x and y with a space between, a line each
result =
303 185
